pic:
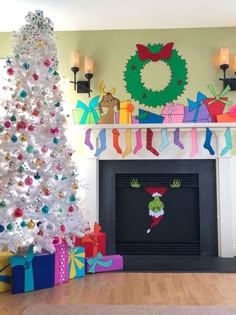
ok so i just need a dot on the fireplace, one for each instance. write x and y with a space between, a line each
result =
220 229
189 224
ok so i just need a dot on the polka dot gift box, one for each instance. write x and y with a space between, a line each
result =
61 263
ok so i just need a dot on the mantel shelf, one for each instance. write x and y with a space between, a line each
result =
212 126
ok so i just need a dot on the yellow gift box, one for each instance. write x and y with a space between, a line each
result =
126 109
5 271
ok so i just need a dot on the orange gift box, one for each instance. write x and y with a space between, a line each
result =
226 117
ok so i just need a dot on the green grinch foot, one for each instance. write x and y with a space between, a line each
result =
148 231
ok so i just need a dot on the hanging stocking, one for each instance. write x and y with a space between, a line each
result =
102 136
87 139
149 142
128 143
116 135
177 140
138 141
194 142
165 141
228 140
207 143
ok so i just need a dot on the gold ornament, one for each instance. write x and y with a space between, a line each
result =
23 138
39 162
20 183
7 157
24 108
31 225
37 209
18 83
40 43
75 186
7 136
60 194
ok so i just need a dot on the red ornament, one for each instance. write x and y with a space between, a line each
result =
40 233
70 209
35 113
35 76
54 87
20 157
47 63
7 124
56 240
18 213
10 71
20 125
28 181
63 228
31 128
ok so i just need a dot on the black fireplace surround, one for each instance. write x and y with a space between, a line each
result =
186 238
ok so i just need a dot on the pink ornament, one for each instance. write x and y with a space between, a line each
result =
20 125
52 114
44 149
70 209
35 76
47 63
54 87
59 167
7 124
54 131
31 128
17 105
63 228
20 157
28 181
10 71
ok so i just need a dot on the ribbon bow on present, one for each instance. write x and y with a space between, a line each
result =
26 262
5 278
76 260
196 105
171 109
97 261
220 96
90 109
93 238
145 54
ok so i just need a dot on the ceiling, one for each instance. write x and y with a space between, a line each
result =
121 14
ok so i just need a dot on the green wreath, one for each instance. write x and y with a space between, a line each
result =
148 97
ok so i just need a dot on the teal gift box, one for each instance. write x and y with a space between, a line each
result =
87 114
102 263
76 267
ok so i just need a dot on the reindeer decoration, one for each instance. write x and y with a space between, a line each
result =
109 102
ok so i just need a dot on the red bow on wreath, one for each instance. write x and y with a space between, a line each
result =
144 53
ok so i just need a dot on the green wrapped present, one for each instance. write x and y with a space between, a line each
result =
87 114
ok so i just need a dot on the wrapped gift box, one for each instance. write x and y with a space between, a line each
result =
5 271
102 263
133 119
226 117
61 263
216 105
201 117
82 117
93 242
125 115
146 117
32 272
173 113
76 266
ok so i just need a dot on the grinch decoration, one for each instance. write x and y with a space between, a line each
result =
39 201
155 53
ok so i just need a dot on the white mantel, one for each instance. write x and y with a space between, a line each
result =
226 166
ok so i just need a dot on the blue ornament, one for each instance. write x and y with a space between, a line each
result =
23 94
55 140
45 209
37 176
1 228
26 66
14 139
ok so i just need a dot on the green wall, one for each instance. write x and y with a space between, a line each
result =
112 49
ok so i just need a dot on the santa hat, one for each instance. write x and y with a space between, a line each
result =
156 191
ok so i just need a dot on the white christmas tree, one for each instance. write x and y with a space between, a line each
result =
38 178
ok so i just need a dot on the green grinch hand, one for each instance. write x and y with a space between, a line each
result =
134 183
176 183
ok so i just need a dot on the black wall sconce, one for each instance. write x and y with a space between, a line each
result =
81 86
224 65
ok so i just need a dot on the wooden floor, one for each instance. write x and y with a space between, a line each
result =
131 288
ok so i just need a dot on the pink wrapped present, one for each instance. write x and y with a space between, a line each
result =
173 113
102 263
61 263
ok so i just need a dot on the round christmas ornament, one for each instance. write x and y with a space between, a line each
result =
155 53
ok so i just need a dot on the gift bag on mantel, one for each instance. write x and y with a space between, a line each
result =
216 104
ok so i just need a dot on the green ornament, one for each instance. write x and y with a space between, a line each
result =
1 128
55 73
13 118
17 56
60 210
9 227
23 224
63 178
23 94
30 149
50 70
2 204
44 93
45 209
26 66
55 140
135 87
14 139
57 104
72 198
21 169
56 177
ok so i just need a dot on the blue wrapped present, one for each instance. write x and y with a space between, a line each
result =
32 272
146 117
76 267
